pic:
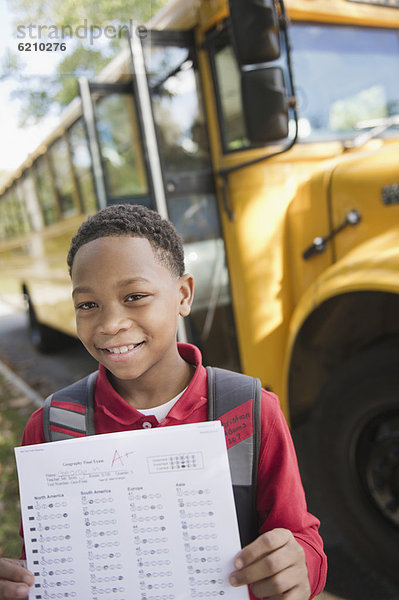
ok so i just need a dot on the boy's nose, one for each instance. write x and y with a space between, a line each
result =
113 321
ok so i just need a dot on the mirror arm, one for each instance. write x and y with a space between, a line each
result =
254 161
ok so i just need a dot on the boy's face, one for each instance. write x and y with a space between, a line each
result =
127 305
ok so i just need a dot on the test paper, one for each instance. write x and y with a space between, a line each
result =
143 515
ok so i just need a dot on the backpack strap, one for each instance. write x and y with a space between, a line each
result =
234 399
69 413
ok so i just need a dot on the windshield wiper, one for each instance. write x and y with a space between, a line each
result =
375 127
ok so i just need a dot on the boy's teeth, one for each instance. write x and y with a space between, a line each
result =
121 349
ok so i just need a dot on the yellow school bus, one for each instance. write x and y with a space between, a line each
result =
267 131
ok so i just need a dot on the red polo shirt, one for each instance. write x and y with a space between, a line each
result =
280 496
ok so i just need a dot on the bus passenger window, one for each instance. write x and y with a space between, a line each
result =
81 161
30 201
13 217
5 218
60 162
45 193
23 224
120 146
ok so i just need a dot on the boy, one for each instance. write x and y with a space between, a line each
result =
129 288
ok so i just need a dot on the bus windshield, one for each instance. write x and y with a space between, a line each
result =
345 77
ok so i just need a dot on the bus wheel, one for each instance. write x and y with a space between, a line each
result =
43 338
355 455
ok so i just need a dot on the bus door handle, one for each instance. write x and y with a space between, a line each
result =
320 243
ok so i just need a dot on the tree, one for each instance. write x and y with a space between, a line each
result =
71 12
93 33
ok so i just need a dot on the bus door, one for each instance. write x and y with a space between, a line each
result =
114 133
168 95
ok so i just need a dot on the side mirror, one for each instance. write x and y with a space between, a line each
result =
255 30
265 104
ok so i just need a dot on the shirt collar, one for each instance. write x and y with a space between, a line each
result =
113 405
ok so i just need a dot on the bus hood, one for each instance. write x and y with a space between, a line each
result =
367 182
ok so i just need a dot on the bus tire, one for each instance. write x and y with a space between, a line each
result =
354 455
44 338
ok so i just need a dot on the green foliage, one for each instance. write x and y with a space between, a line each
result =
39 95
14 412
10 64
86 56
83 62
35 103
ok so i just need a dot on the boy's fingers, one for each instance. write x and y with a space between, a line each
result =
11 591
263 545
264 568
15 580
274 566
287 584
12 570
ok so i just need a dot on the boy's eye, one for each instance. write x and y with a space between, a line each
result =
134 297
86 305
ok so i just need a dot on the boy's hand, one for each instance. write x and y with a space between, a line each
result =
273 565
15 580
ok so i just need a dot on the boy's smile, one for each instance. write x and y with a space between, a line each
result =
121 352
127 305
122 349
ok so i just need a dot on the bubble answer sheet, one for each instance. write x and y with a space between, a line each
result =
138 515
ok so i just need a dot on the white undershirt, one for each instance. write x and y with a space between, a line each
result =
162 410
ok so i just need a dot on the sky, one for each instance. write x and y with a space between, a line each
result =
17 142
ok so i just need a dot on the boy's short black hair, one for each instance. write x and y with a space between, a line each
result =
133 220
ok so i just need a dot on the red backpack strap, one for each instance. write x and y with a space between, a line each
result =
69 413
234 399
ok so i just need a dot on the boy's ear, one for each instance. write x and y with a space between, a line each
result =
186 294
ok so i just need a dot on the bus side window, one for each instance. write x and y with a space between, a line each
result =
120 146
30 201
61 165
45 191
23 224
13 216
5 216
81 161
